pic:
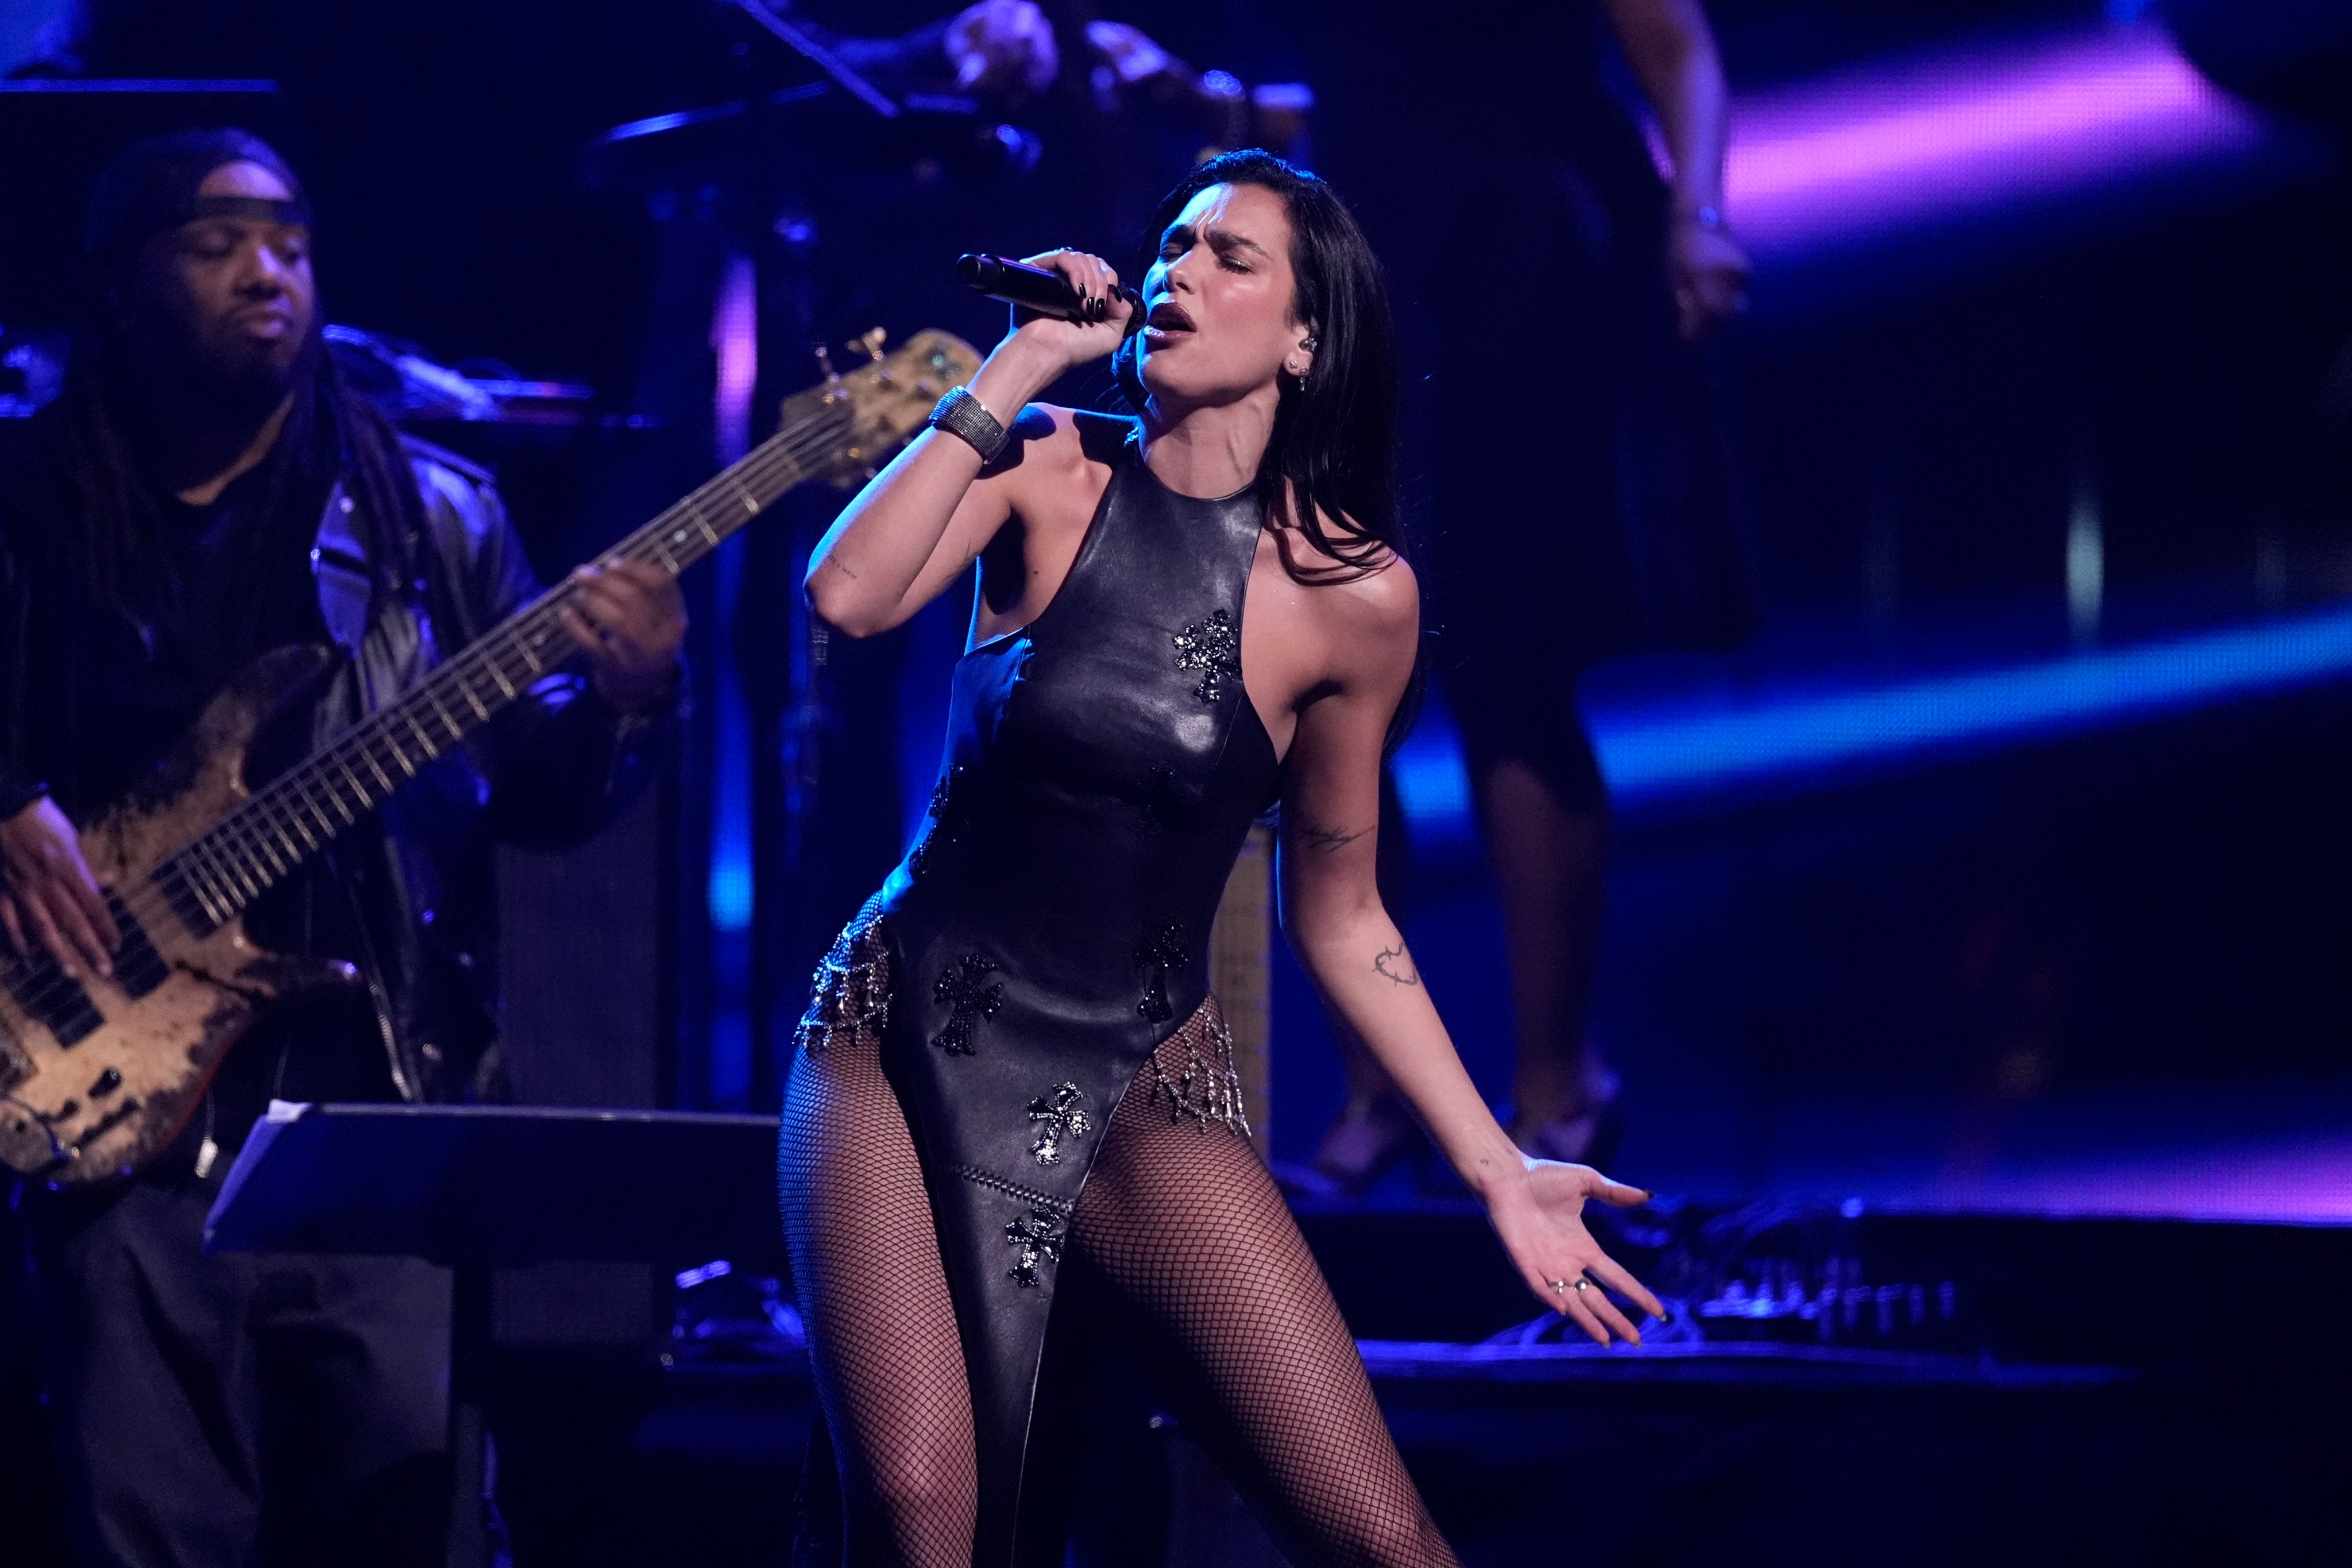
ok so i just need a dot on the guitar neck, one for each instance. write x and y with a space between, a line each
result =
302 811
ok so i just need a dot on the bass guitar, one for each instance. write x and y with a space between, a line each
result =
98 1074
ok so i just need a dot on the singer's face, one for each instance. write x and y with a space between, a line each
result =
1218 300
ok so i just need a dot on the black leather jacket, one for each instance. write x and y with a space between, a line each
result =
546 772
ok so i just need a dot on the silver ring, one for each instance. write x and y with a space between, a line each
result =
1583 1284
1560 1284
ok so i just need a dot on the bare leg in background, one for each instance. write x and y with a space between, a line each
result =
1548 861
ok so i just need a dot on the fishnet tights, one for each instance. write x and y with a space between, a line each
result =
1193 1256
872 1293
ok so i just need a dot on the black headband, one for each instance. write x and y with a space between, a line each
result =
150 188
295 213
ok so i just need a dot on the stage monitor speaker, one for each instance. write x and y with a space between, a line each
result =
585 975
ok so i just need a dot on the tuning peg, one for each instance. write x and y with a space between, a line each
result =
824 362
871 343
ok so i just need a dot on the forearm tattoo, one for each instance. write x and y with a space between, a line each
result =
1394 965
1313 834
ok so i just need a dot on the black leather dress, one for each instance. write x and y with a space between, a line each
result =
1051 928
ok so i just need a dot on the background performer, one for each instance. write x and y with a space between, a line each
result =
157 530
1616 480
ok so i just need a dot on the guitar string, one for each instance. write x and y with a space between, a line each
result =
233 881
267 823
255 843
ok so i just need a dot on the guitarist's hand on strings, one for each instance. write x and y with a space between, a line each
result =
48 894
629 619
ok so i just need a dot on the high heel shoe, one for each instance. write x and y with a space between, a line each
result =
1371 1136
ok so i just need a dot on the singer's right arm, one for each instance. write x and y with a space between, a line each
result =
922 520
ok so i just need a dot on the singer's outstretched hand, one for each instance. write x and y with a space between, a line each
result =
1072 343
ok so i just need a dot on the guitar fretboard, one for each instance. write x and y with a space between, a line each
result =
222 870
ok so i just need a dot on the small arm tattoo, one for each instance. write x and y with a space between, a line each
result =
1314 835
1394 965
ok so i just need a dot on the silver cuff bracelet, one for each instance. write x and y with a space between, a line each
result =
960 414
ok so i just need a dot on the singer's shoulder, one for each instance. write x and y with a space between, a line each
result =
1347 603
1372 590
1049 439
1078 434
1367 573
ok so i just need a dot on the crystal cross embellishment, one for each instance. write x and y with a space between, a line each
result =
1213 647
970 996
1036 1240
1060 1114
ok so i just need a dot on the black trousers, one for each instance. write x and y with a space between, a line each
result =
220 1412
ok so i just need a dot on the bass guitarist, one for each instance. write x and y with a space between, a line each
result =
206 488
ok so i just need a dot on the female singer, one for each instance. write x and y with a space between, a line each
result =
1012 1079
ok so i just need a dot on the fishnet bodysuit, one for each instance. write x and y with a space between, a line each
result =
1189 1248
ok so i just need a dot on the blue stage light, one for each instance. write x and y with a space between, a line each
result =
1662 751
1652 755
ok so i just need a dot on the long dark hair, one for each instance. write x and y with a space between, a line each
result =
115 530
1330 466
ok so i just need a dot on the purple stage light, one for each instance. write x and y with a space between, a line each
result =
2307 1181
1966 134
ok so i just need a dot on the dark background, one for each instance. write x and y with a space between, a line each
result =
2096 964
1925 405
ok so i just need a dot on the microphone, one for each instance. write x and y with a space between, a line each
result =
1039 291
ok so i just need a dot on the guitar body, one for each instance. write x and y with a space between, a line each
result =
90 1102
